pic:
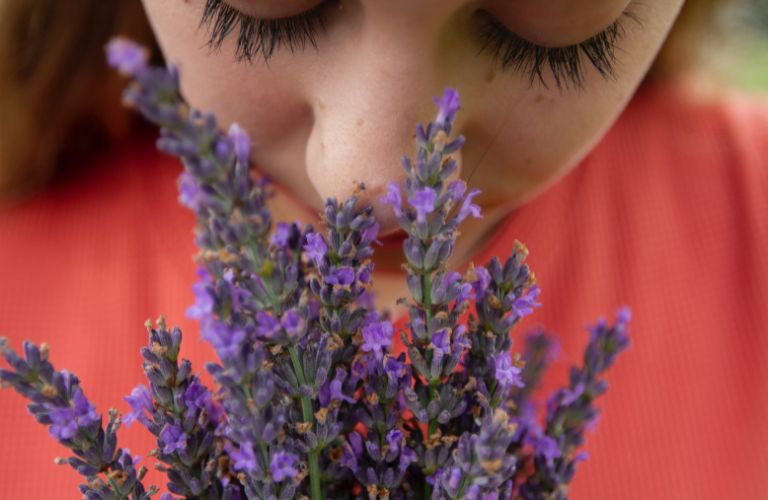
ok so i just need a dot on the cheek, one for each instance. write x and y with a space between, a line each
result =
266 100
535 139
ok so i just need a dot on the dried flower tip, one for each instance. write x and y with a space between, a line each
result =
359 188
148 324
303 427
48 391
500 416
152 490
520 248
154 452
372 399
60 461
470 276
335 454
275 350
441 316
321 415
160 322
158 349
494 302
335 342
449 440
491 466
471 384
118 476
225 256
45 350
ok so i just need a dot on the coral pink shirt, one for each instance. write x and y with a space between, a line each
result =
668 213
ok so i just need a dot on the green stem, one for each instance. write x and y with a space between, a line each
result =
306 409
426 293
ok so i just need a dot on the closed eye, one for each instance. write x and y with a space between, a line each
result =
511 51
261 37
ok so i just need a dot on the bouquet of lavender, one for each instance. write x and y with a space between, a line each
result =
310 399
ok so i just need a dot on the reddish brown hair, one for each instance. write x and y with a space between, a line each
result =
60 103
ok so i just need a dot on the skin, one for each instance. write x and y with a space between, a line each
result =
323 120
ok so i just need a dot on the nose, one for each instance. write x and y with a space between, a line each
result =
366 102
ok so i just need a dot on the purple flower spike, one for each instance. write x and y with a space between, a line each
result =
243 457
393 198
203 307
67 421
448 105
190 194
441 340
283 465
423 201
293 323
282 235
173 438
315 247
127 57
468 208
341 276
377 336
483 281
506 373
139 400
456 189
407 457
394 440
241 142
225 339
524 305
268 325
336 385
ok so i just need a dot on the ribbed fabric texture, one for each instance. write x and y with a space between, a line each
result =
668 214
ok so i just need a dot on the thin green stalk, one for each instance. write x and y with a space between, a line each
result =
306 409
426 293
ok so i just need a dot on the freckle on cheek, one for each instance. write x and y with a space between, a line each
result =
539 98
490 76
359 122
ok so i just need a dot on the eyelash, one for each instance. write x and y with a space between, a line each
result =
511 51
265 36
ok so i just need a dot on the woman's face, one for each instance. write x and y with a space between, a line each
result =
340 107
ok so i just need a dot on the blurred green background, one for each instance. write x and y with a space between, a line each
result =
744 61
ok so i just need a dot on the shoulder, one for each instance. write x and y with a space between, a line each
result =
724 131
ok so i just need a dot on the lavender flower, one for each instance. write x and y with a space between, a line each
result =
310 399
423 200
126 56
58 401
283 466
506 373
140 401
570 412
377 337
315 248
393 198
448 105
